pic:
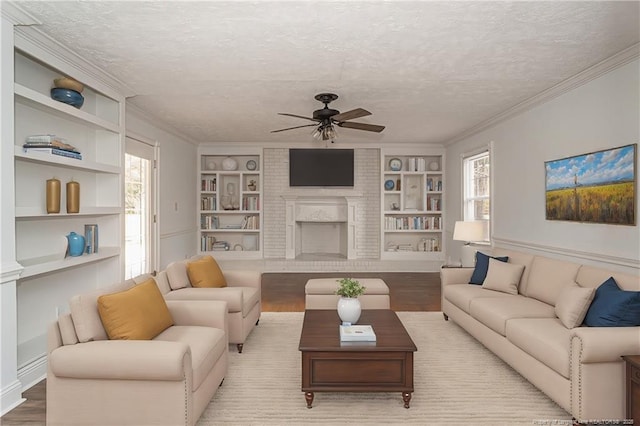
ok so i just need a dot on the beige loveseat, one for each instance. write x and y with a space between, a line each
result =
579 368
165 381
242 294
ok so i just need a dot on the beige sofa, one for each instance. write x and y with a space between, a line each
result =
165 381
242 294
579 368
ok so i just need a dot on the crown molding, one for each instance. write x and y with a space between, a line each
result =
17 16
619 59
157 122
32 40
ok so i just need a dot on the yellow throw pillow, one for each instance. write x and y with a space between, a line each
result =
205 272
139 313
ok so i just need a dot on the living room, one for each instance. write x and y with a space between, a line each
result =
549 95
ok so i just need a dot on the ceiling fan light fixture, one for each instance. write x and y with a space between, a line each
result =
325 132
327 119
330 132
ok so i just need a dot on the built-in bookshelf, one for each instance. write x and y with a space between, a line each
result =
412 218
96 131
230 203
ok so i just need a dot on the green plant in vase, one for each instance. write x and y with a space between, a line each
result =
348 305
350 288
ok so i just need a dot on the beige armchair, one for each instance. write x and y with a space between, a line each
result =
165 381
242 294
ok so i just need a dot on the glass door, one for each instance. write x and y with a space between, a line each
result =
140 217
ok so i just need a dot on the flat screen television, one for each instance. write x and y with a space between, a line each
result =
320 167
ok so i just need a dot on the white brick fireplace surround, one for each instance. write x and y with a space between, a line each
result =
321 227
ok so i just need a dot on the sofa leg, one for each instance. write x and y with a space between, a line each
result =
446 317
240 345
221 383
257 321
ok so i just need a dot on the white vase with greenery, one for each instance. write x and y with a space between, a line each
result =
349 308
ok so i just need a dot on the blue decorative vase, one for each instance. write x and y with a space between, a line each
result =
76 244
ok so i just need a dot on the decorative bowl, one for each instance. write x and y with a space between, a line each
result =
67 96
68 83
389 184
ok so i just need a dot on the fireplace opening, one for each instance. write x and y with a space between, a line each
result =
321 240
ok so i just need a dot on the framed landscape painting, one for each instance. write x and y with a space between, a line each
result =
599 187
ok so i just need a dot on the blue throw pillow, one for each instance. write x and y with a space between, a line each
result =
613 307
482 266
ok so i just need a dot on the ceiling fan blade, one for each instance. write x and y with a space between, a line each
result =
291 128
350 115
299 116
362 126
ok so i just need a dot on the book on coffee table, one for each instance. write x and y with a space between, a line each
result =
357 333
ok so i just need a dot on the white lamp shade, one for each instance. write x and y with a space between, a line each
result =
468 231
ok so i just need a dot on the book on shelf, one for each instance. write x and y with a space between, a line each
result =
91 238
249 222
55 151
357 333
209 222
45 138
51 141
208 184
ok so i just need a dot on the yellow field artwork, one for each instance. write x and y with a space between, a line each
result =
609 203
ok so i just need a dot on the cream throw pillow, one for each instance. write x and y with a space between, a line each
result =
573 304
503 276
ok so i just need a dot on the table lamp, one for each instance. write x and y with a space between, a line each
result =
468 232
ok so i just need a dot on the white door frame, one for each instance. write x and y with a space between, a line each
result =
154 226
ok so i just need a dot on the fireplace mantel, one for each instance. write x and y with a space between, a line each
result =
320 193
328 206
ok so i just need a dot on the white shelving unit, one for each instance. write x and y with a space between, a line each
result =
412 218
230 204
97 130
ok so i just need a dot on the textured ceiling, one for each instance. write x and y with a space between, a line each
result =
220 71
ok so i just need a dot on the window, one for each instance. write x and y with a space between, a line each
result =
476 191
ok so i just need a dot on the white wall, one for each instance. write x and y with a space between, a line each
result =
176 189
603 113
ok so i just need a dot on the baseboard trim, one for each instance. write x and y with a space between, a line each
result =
11 397
33 373
583 255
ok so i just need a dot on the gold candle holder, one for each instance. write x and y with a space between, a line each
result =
73 197
53 195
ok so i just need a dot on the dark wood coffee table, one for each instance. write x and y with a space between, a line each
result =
329 366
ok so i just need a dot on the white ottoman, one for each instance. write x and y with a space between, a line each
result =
320 293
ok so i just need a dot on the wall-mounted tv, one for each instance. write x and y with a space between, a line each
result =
321 167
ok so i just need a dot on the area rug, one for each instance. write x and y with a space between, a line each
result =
457 381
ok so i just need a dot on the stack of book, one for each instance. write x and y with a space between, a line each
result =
220 246
357 333
51 144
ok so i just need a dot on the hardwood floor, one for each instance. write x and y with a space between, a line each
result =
409 291
281 292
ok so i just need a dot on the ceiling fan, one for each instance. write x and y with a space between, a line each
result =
326 118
